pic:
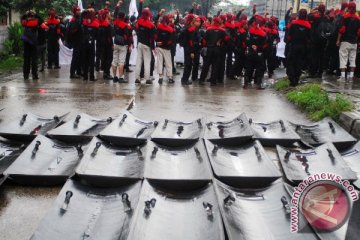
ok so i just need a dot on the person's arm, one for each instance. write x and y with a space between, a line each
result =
219 12
239 13
117 8
140 8
177 19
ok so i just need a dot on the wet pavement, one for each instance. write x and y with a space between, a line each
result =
22 207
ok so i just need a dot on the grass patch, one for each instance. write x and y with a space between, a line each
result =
315 101
10 63
282 84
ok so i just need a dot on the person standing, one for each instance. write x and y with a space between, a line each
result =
90 33
53 46
42 44
74 40
214 39
347 41
31 22
298 38
145 30
122 42
164 41
107 42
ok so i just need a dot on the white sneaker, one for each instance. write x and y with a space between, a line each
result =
341 79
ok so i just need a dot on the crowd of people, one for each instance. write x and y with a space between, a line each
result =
230 45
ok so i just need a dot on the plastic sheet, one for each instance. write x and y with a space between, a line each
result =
90 213
299 164
82 127
107 165
128 130
257 214
45 162
352 158
231 133
245 166
27 126
176 134
324 131
178 168
273 133
163 214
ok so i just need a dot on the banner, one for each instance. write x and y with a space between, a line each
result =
133 8
80 5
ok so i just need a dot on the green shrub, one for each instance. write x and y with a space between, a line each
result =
282 84
11 63
312 99
15 32
8 46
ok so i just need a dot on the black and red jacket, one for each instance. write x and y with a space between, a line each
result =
54 31
74 31
165 35
145 32
90 30
192 39
299 32
350 28
121 28
240 38
257 37
105 33
230 30
215 36
31 26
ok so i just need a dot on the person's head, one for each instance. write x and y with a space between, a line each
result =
197 21
352 7
321 8
171 18
259 20
216 21
52 12
189 19
146 14
302 14
121 15
165 20
132 18
344 5
76 11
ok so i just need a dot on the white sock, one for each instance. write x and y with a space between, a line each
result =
351 74
343 74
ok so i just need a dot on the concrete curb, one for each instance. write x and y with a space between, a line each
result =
350 121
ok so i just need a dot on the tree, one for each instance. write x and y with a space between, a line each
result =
43 6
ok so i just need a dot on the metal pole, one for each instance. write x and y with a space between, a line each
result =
311 4
272 8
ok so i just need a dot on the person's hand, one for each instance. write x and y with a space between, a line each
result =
158 43
338 43
242 9
254 47
162 11
192 56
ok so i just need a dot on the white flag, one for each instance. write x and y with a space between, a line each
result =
80 5
133 9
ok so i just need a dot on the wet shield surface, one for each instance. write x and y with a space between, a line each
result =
9 151
352 158
83 212
107 165
273 133
232 133
257 214
80 128
299 164
183 167
45 162
163 214
128 130
27 126
176 134
245 166
324 131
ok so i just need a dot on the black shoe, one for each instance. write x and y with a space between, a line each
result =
57 67
160 81
171 81
35 77
41 70
26 77
92 79
176 73
260 87
186 83
194 80
128 70
148 82
107 77
201 82
137 81
116 79
123 80
75 76
49 67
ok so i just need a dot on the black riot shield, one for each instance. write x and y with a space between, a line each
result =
352 158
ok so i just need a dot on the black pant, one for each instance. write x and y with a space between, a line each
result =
221 64
229 61
53 49
240 61
127 61
295 62
270 58
88 60
191 66
75 66
41 53
332 61
317 56
255 62
212 59
107 59
30 59
99 64
173 53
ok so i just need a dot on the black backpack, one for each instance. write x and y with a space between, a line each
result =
326 29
